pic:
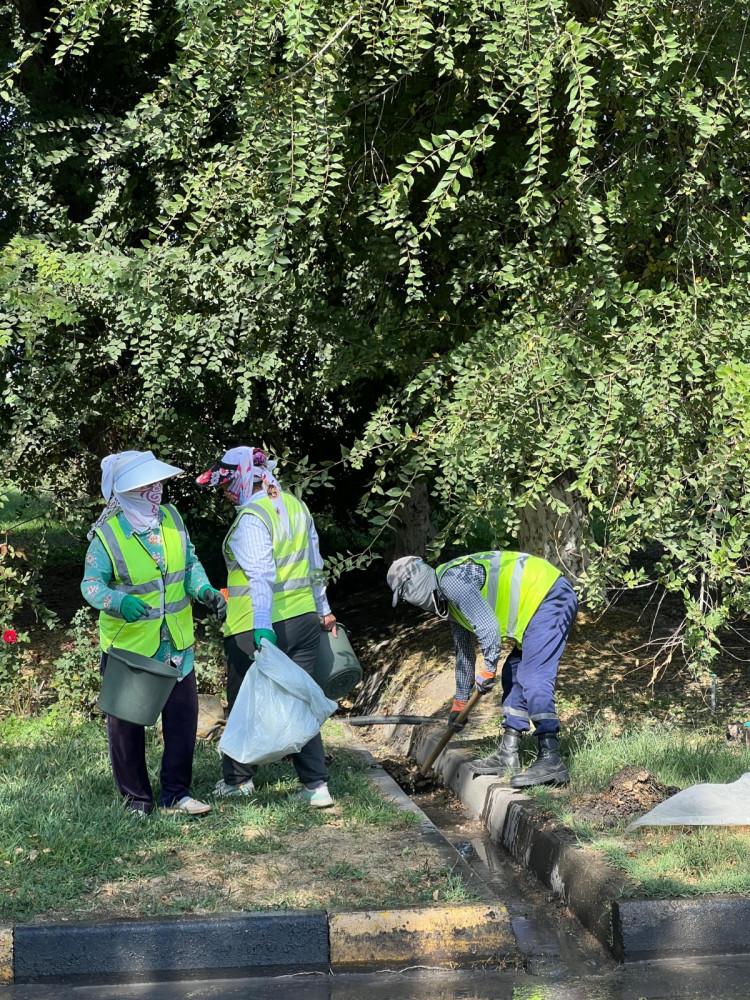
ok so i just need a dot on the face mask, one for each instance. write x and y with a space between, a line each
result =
232 492
141 507
420 589
152 495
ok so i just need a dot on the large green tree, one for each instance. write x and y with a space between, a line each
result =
498 247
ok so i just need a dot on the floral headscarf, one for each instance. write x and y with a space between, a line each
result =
239 469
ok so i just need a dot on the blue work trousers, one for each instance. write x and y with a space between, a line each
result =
530 672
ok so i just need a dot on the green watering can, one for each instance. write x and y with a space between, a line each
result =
337 668
135 688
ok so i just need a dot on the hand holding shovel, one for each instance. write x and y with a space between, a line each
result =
458 721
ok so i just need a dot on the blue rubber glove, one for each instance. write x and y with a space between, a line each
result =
265 633
133 608
214 601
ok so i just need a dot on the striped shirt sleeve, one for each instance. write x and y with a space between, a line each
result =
462 586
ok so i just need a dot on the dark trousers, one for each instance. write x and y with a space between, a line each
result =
127 749
299 638
529 674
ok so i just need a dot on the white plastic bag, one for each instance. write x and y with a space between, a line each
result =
278 709
703 805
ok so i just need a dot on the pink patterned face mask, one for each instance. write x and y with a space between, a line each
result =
141 507
152 495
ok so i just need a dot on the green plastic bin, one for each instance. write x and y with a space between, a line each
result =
337 669
135 688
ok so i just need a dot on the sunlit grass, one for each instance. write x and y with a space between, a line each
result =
32 521
661 861
65 833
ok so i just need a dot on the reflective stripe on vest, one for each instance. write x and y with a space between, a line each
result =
292 588
515 584
136 573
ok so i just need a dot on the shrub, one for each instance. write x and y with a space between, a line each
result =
77 676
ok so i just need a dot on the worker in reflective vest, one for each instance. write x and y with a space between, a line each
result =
141 573
491 596
275 592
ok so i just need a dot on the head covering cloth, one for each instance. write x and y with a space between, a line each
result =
411 579
239 470
140 505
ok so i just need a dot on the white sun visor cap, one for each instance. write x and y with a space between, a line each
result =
413 580
142 470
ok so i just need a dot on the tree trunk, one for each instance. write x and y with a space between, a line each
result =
560 539
415 530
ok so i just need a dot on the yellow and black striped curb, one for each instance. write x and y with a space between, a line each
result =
449 935
254 944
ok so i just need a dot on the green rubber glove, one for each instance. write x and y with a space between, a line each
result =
214 601
133 608
265 633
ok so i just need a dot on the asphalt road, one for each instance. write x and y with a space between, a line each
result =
724 979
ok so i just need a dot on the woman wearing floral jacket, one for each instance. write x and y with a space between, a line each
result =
133 522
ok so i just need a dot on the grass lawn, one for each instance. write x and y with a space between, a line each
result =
661 861
69 850
31 520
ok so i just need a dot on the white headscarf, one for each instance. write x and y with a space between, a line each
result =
140 507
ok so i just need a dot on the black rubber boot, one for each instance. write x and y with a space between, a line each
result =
547 769
504 759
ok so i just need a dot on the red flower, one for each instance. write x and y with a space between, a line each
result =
10 635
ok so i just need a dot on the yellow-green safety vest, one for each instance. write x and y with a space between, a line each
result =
515 584
292 588
136 573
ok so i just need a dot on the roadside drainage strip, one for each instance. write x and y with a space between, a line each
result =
630 929
270 942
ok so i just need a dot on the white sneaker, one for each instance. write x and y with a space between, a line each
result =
189 806
223 788
316 798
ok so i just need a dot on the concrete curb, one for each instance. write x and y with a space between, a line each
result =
712 925
6 955
449 936
241 944
631 929
269 943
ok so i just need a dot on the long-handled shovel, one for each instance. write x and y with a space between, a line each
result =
461 717
390 720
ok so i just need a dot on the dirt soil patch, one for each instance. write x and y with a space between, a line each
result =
632 791
613 668
405 772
